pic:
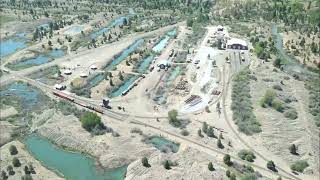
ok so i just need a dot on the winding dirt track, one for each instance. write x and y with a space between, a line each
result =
202 147
237 134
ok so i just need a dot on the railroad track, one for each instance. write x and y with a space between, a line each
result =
197 144
235 132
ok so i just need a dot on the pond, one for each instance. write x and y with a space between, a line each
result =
10 46
27 94
145 64
122 88
163 43
74 30
74 166
96 80
118 21
45 26
124 54
38 60
162 143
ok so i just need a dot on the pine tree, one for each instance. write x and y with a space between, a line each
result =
167 165
210 166
219 144
199 133
205 127
227 160
271 165
145 162
293 149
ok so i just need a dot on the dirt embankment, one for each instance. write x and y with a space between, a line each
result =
41 173
66 131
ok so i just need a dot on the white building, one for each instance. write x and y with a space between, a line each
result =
235 43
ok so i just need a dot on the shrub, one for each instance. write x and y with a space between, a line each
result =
4 175
277 87
291 114
27 177
246 155
233 176
242 106
90 121
13 150
299 166
10 170
16 162
173 120
137 131
184 132
268 98
277 105
228 173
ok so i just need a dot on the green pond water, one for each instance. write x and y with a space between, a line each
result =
73 166
160 143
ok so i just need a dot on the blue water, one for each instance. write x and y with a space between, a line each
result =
161 45
75 29
45 25
172 33
56 53
21 35
29 95
96 80
160 143
74 166
118 21
145 64
10 46
40 59
125 54
124 86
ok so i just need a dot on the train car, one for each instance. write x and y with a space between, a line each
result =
98 110
63 95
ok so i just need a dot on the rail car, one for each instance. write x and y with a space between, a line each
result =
98 110
63 95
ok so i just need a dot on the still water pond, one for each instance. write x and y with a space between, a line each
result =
74 166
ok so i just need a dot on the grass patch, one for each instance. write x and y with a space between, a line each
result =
246 155
4 19
269 100
291 114
299 166
313 85
241 104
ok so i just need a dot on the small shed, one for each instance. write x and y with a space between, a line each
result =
67 72
83 75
